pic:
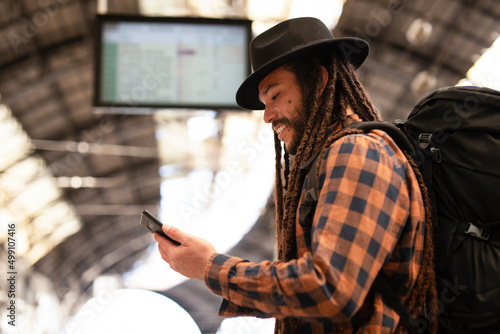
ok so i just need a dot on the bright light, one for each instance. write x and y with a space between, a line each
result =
131 311
29 195
202 127
247 325
486 72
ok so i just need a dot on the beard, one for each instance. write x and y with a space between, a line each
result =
298 123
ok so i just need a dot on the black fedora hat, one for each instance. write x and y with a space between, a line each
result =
290 40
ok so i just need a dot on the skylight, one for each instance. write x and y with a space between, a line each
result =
486 71
30 197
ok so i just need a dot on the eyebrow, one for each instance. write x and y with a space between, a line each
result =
268 88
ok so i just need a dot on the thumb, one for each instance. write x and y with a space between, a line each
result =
173 232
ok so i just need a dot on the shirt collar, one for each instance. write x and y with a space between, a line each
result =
351 118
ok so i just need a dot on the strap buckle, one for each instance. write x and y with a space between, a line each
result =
478 232
424 140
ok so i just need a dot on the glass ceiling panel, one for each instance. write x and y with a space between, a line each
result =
486 71
29 196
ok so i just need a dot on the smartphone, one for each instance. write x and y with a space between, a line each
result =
153 225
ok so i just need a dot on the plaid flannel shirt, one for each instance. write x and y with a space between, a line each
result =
369 218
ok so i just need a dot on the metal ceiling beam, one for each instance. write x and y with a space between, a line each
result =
97 149
47 79
110 210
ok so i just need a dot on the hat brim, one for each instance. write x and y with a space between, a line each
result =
354 49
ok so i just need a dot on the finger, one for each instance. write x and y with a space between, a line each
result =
163 253
173 233
163 244
157 237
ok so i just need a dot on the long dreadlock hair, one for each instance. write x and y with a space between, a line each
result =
343 89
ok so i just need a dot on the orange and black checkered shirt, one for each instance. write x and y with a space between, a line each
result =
369 217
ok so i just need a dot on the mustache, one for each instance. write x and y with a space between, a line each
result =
282 120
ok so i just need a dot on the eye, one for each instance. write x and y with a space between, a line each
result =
275 97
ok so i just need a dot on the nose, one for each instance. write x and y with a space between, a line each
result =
269 114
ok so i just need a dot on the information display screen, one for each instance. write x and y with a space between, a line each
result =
164 62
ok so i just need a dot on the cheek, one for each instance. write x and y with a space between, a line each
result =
299 120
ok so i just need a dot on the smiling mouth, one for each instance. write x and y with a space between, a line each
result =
279 129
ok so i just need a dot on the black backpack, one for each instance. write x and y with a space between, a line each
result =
453 135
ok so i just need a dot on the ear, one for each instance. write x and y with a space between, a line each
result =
324 75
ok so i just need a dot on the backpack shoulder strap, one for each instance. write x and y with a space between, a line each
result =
383 285
391 129
311 196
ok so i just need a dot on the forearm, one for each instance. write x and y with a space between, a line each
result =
300 288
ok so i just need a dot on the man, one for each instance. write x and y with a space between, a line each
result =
370 211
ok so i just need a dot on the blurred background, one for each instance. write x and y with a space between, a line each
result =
75 176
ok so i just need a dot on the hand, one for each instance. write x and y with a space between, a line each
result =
188 259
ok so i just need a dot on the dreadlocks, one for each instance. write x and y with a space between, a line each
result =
343 90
